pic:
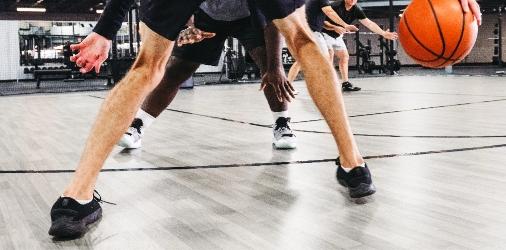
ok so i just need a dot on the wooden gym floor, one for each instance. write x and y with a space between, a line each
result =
208 178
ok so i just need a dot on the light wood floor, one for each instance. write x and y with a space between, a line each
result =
208 178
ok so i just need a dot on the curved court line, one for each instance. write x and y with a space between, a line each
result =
255 164
366 135
408 136
415 109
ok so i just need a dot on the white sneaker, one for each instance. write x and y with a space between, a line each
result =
283 135
132 138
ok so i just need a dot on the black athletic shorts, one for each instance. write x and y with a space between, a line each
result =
268 10
167 17
208 51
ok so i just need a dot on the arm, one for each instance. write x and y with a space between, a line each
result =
376 29
338 29
94 49
330 13
275 73
112 17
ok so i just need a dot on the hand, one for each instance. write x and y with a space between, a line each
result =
277 79
474 7
192 35
93 51
390 35
351 28
340 30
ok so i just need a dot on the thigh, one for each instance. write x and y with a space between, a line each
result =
167 17
249 35
339 44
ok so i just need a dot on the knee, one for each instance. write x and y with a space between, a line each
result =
344 57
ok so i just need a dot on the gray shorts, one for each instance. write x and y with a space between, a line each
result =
320 40
335 43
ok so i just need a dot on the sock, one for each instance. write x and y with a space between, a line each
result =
146 118
347 170
82 202
276 115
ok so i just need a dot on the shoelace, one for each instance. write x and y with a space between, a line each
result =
137 124
281 123
97 197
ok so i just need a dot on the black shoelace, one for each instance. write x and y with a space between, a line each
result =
137 124
282 122
97 197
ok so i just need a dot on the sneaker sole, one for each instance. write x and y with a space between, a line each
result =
285 145
126 144
362 190
67 228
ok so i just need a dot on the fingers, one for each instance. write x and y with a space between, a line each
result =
208 34
475 9
75 47
465 5
87 68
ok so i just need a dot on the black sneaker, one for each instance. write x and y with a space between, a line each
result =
347 86
358 180
69 218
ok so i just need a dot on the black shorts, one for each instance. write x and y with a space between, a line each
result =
167 17
268 10
208 51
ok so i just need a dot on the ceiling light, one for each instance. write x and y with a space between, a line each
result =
99 11
31 9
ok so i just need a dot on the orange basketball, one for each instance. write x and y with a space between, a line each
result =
437 33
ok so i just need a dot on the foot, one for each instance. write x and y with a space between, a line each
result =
283 135
132 138
358 180
69 218
347 86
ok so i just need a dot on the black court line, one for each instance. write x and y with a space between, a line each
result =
325 132
408 136
255 164
415 109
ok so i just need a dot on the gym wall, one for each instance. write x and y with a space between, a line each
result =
9 40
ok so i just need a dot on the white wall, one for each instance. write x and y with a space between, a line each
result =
9 54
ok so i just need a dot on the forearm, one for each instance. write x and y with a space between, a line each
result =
330 13
328 26
111 19
273 47
372 26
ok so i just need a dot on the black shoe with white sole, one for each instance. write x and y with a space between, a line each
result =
69 218
358 180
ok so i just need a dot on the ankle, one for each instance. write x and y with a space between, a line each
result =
78 194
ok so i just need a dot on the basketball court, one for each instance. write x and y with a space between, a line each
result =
210 174
208 177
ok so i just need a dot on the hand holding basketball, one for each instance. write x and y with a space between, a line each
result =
438 33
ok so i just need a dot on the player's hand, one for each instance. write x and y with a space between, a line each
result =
283 88
192 35
474 7
340 30
93 51
351 28
390 35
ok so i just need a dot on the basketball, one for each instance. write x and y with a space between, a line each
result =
437 33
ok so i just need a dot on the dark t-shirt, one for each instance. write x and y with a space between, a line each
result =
314 13
348 16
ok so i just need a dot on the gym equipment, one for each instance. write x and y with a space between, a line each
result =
436 34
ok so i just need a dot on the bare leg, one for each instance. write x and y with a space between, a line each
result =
321 81
118 110
294 71
259 57
176 72
344 57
